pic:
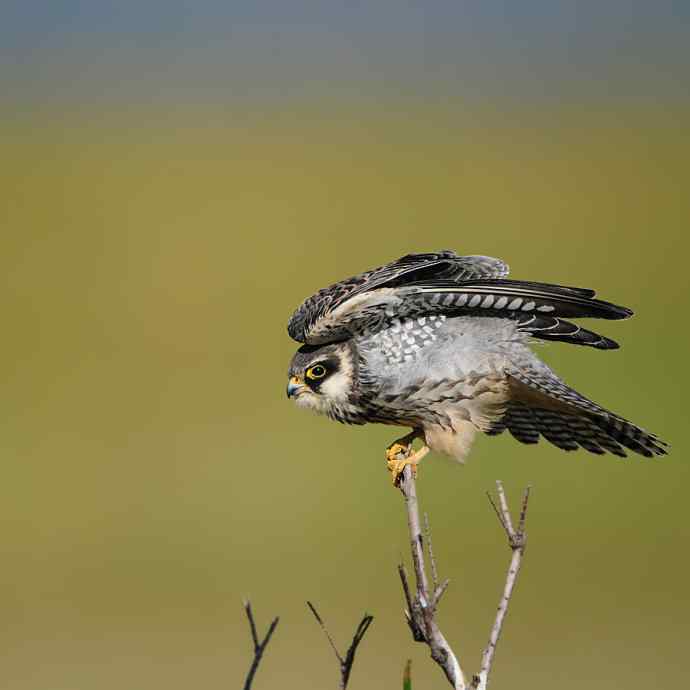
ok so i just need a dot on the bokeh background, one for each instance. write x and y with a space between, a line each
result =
176 177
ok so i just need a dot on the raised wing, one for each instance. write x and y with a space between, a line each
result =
448 284
333 313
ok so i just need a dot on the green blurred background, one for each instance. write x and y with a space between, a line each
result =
157 234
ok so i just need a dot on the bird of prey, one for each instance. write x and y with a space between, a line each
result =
440 343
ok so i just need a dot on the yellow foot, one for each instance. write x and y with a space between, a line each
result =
399 455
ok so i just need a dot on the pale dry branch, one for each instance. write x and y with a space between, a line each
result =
517 540
422 606
259 645
349 660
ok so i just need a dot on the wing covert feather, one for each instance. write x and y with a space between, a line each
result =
330 304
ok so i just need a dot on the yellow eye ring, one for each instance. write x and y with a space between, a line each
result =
318 371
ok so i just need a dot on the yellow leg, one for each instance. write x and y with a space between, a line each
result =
399 454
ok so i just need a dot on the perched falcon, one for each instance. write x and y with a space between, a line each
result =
440 343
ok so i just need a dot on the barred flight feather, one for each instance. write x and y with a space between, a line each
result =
542 405
528 296
555 329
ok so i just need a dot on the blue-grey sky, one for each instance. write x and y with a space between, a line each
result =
242 50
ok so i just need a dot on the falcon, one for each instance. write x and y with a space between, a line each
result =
440 343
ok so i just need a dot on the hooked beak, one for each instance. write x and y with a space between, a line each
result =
294 386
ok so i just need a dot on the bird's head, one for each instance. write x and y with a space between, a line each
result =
321 378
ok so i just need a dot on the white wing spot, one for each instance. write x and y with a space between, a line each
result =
488 301
501 302
528 306
462 300
515 303
546 307
476 299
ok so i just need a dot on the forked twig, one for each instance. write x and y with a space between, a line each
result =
259 646
421 609
517 540
346 663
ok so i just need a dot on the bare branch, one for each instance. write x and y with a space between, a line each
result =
421 613
347 663
517 541
259 646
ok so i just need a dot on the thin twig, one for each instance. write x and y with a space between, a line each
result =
319 620
517 541
523 510
503 502
259 646
252 624
415 629
429 545
441 590
352 649
347 663
421 611
496 510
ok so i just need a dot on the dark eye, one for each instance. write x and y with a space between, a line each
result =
318 371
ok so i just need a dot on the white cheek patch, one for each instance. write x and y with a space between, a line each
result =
336 386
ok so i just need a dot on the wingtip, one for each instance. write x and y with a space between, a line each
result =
609 344
604 343
612 312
